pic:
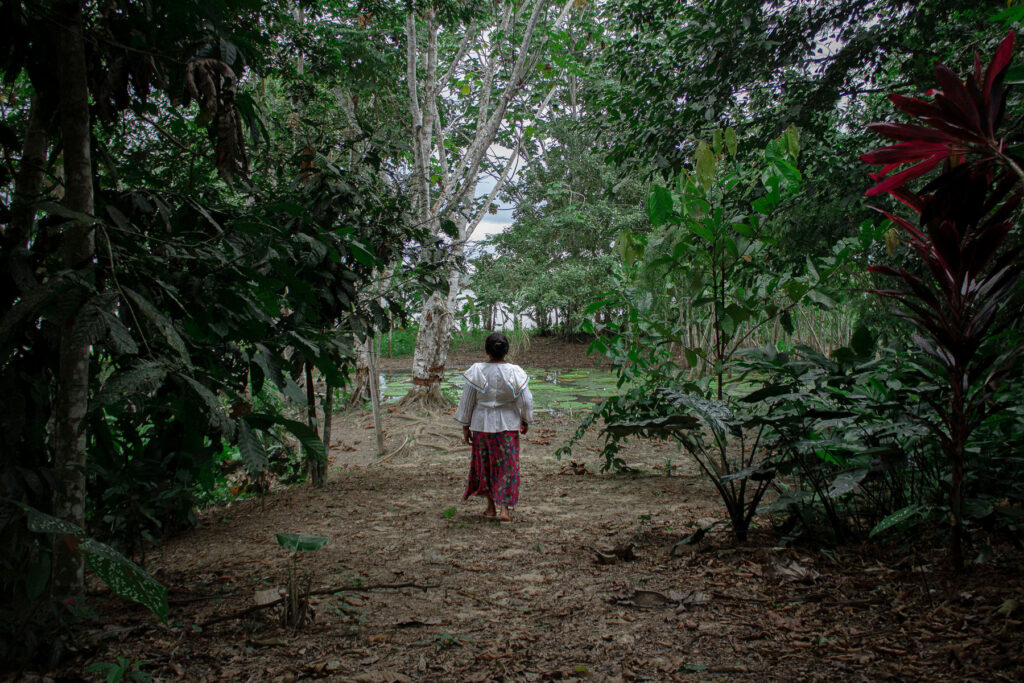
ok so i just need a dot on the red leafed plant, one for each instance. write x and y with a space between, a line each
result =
964 216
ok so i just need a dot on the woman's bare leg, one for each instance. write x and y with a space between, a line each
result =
491 510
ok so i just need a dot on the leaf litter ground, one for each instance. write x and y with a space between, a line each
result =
416 585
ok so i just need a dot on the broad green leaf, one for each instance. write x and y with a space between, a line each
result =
123 576
668 424
846 482
715 414
214 410
763 472
763 205
900 518
862 342
251 449
271 367
730 140
716 141
126 578
141 378
792 138
363 255
121 340
659 205
306 435
786 320
701 229
706 163
38 576
301 542
162 323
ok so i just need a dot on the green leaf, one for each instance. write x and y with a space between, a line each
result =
123 576
301 542
716 141
142 377
792 138
846 482
862 342
706 163
659 205
730 140
1015 74
162 323
786 320
900 518
214 410
763 205
306 435
701 229
271 367
126 578
668 424
1009 16
251 449
715 414
121 340
363 255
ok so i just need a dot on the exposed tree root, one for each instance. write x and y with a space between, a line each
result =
425 399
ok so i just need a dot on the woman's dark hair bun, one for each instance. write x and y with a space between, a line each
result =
496 345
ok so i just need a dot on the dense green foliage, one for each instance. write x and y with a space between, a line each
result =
207 207
213 276
557 255
858 439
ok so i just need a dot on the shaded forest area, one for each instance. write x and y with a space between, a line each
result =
791 232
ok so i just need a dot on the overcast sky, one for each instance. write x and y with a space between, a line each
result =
495 222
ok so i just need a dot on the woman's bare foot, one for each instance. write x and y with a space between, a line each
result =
506 515
491 510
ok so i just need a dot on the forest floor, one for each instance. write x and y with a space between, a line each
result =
415 585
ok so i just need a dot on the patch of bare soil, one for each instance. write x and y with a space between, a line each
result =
581 586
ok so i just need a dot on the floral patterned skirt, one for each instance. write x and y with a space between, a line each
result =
494 469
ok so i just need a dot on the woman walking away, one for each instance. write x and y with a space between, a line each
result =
496 405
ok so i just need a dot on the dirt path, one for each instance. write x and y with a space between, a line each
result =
531 601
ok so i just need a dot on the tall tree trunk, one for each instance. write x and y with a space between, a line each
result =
431 353
328 415
374 386
361 385
317 468
77 252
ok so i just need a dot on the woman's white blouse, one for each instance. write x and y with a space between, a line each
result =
496 398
